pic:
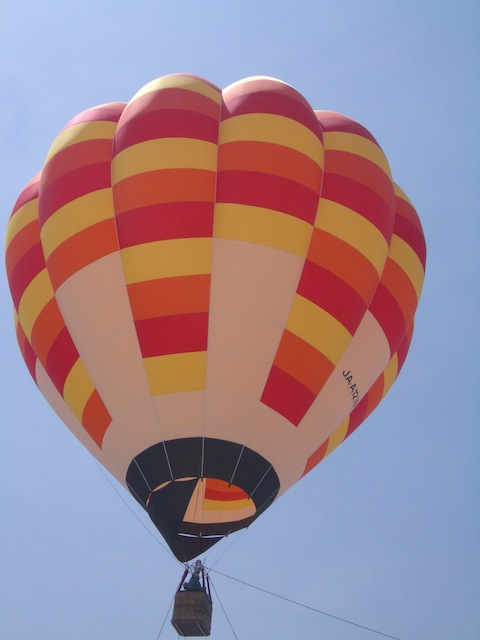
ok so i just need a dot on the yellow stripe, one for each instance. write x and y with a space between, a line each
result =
317 327
262 226
167 258
35 298
176 372
180 82
164 153
82 132
355 230
266 127
77 389
228 505
75 216
358 145
406 258
390 374
21 218
399 192
338 436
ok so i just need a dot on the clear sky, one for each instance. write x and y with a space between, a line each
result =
386 531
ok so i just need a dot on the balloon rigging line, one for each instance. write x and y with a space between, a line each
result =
131 510
223 609
210 569
164 620
305 606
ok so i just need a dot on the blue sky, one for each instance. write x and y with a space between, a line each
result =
386 531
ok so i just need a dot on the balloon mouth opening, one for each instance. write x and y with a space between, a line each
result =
194 510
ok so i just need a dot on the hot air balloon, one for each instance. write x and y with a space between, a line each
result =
213 289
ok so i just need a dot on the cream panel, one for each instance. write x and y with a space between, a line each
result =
248 261
94 304
269 436
243 337
228 416
130 435
234 374
250 299
365 358
181 414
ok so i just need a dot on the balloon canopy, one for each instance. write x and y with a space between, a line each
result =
213 289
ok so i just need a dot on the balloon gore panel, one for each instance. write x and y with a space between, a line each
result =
213 289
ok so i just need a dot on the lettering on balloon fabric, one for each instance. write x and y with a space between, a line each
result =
352 386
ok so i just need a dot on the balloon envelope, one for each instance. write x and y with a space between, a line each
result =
213 289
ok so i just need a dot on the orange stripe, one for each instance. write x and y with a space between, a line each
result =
80 250
95 418
46 329
270 158
359 169
375 394
303 362
344 261
76 156
316 457
400 286
25 239
169 296
165 185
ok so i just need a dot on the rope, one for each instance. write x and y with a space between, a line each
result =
305 606
223 609
164 620
131 510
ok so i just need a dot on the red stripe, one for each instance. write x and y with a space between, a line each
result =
29 193
165 221
166 123
332 121
332 294
109 112
74 157
358 415
389 315
171 98
361 199
27 268
27 351
71 186
268 191
403 347
412 235
287 396
22 242
172 334
60 360
225 496
267 96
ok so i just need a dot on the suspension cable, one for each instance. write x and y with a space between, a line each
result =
131 510
223 609
305 606
165 619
